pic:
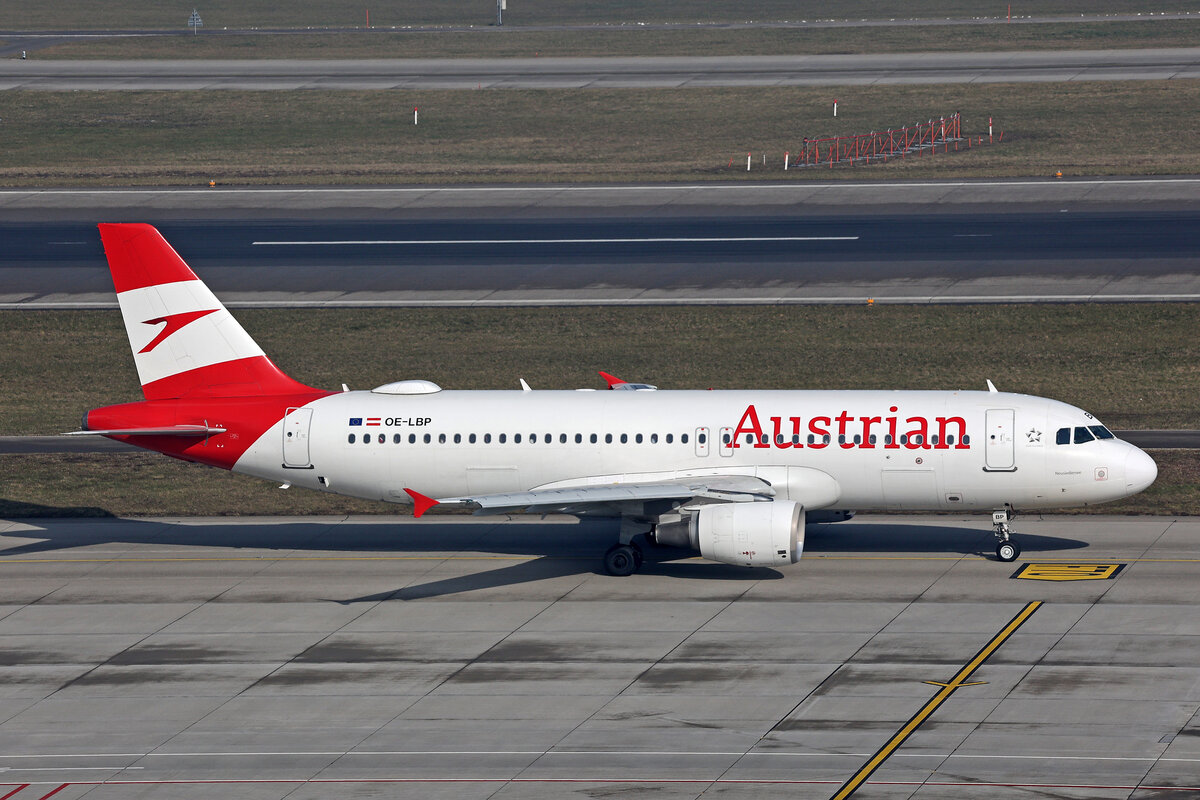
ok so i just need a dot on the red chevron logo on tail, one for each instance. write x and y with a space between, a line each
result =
174 323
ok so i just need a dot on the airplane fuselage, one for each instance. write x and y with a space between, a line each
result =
882 450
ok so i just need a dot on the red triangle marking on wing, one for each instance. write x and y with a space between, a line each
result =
421 503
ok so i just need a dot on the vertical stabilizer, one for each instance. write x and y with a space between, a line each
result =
183 339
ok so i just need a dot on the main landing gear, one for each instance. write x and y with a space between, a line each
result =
1007 549
625 557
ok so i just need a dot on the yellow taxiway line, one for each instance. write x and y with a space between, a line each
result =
948 688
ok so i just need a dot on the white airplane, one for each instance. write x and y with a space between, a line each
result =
732 474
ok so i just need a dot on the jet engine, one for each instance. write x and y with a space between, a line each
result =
763 534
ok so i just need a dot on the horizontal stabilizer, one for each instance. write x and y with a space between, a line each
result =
168 430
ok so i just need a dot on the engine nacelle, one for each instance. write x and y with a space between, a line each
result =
763 534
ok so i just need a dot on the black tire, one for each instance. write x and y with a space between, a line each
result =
620 560
1008 551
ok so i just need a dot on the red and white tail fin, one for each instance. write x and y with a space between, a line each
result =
183 339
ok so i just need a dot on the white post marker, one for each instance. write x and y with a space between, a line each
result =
747 162
414 115
786 154
835 108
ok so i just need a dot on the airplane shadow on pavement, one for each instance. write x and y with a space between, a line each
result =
561 547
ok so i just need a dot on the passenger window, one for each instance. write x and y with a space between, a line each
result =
683 438
933 439
352 438
904 438
1101 432
795 439
1083 435
441 438
592 438
812 439
764 439
654 438
516 438
725 438
871 438
841 438
1063 436
458 438
779 438
578 438
503 438
550 438
887 438
608 438
670 438
366 438
396 439
749 438
412 438
638 438
471 439
382 438
825 438
487 438
702 438
428 438
624 438
966 438
949 439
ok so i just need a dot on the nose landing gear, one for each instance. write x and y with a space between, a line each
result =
1007 549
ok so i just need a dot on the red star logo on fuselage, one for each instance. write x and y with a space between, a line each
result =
174 323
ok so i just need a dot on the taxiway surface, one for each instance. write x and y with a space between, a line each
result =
610 72
372 657
973 241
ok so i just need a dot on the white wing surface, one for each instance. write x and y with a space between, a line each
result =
611 497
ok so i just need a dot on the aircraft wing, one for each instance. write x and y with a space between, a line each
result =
582 499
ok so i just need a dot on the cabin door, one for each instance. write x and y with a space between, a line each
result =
999 445
296 423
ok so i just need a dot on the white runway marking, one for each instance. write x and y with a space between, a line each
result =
652 240
665 300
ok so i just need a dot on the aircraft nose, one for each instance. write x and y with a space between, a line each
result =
1140 470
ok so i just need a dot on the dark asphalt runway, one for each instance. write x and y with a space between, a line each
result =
611 72
383 261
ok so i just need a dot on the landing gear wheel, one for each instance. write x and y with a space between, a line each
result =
1008 551
622 560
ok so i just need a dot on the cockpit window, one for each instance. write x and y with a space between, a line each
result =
1063 436
1101 432
1083 435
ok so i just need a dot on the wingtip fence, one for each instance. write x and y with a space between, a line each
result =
916 141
